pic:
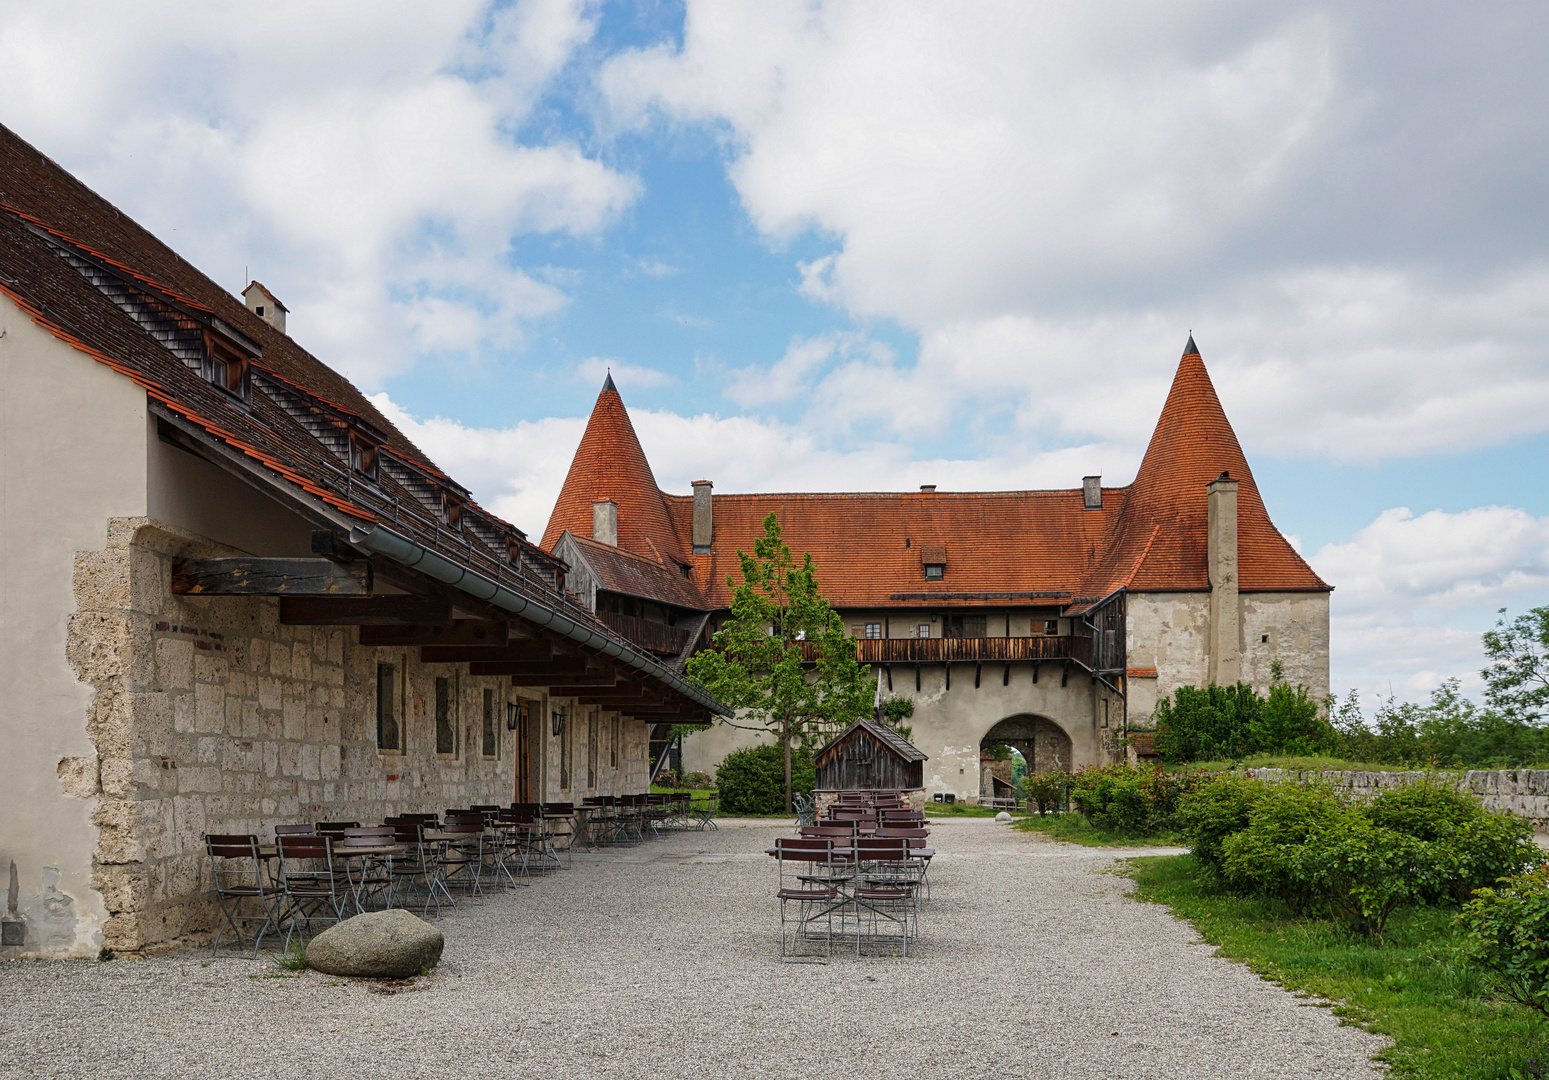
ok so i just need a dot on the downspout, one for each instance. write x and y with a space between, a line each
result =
383 541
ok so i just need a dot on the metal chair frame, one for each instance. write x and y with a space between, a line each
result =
310 893
234 884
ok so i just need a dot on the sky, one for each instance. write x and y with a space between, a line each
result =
830 246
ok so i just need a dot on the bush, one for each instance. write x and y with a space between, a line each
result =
752 781
1226 723
1282 818
1215 810
1127 799
1047 791
698 781
1472 847
1363 871
1506 932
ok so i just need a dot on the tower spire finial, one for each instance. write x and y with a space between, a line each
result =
607 383
1191 349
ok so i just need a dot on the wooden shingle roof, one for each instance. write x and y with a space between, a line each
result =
889 739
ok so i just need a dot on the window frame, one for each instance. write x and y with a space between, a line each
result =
489 737
873 631
448 683
394 680
935 571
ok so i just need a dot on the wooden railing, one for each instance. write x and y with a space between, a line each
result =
655 636
955 650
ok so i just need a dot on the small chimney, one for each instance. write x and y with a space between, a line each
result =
704 517
261 302
605 522
928 489
1092 492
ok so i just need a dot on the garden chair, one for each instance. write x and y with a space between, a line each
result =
309 884
239 877
808 886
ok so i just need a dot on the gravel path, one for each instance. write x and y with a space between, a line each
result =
663 960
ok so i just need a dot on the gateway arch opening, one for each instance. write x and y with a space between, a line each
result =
1041 742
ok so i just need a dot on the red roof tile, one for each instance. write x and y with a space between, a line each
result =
1001 549
609 464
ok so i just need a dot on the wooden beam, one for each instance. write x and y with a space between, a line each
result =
269 577
363 611
518 652
575 680
453 632
560 667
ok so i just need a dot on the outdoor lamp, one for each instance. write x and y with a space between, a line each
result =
513 714
559 721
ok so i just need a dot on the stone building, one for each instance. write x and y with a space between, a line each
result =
234 596
1049 621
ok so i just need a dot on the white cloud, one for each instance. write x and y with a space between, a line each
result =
1414 593
1052 196
354 157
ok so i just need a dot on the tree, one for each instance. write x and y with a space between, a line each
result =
760 664
1518 675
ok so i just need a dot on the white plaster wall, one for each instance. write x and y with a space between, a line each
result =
1296 625
191 494
1170 632
72 443
703 751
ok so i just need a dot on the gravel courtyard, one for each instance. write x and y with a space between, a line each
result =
663 960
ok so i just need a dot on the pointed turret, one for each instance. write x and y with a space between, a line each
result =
610 465
1160 538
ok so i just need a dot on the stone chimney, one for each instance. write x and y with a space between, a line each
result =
1221 557
1092 492
927 489
605 522
704 517
261 302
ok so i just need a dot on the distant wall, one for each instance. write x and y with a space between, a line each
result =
1520 791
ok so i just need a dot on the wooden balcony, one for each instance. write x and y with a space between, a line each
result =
653 636
971 650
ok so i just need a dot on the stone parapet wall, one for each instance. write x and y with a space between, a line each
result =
1520 791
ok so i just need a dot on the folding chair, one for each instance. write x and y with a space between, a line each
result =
461 862
886 908
308 882
239 876
375 872
417 865
807 881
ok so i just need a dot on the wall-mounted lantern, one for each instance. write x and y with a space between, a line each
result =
559 722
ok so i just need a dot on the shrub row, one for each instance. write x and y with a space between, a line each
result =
1313 847
752 781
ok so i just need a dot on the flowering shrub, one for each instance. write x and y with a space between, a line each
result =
1047 791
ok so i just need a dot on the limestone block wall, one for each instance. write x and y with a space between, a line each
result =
1296 625
1518 791
210 716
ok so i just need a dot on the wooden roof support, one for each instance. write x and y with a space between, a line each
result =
458 632
269 577
399 613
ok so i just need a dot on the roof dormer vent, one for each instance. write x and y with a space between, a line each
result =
1092 492
261 302
927 489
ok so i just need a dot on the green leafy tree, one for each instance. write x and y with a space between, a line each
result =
760 664
1518 675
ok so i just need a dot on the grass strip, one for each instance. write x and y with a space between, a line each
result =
1075 829
1444 1023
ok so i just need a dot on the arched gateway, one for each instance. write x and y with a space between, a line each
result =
1041 741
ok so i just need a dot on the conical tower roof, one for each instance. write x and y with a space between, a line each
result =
1160 537
609 464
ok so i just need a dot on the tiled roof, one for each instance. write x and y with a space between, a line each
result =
1001 548
1159 540
621 571
93 278
609 464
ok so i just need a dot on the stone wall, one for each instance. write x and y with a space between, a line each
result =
1519 791
209 716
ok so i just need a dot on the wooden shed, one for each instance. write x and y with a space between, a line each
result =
868 756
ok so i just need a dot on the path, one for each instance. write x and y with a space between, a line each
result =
663 961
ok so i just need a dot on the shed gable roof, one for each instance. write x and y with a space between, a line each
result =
889 739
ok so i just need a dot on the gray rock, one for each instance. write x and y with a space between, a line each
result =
377 945
1002 816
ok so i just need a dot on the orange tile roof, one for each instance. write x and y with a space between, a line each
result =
609 464
1001 548
1159 541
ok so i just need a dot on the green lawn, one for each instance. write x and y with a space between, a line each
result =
1442 1021
1075 829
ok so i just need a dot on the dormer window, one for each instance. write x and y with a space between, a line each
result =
935 571
363 455
933 560
226 366
451 510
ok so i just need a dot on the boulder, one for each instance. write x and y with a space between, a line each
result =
1002 816
377 945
